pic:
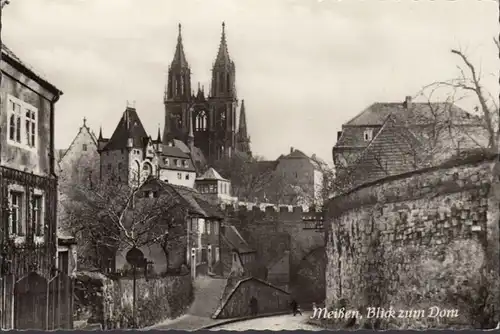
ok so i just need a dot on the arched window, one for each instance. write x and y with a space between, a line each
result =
228 83
201 121
147 169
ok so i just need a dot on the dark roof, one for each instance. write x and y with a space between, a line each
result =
235 240
295 154
173 151
403 144
375 116
28 69
197 154
130 126
195 201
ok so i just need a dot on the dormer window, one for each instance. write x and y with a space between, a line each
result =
177 162
166 161
368 135
185 163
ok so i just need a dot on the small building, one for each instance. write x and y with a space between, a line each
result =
29 244
214 187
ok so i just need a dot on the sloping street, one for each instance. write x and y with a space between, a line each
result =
276 323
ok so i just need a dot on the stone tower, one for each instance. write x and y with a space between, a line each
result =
206 122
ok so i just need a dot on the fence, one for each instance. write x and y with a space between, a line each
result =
35 302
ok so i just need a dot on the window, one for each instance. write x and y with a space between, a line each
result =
368 135
208 227
36 213
147 169
30 122
176 162
216 228
109 167
166 161
179 176
17 224
187 176
22 119
201 121
185 163
217 254
15 121
84 147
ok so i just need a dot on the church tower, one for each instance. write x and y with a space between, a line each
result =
177 95
223 103
242 138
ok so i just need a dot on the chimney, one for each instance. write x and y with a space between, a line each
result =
407 102
339 134
291 149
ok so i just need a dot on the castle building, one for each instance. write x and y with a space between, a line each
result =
213 117
131 155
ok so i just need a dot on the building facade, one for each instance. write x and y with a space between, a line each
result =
28 184
214 116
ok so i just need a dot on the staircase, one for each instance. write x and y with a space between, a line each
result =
208 293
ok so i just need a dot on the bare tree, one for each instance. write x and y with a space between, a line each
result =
250 176
111 217
469 84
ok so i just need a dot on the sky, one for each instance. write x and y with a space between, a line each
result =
303 67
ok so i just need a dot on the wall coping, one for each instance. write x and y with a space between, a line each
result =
267 207
228 298
472 159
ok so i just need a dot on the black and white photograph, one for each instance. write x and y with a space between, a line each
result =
249 165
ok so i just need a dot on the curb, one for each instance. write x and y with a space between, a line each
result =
230 321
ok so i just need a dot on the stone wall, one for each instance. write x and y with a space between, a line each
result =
236 303
272 232
423 239
99 299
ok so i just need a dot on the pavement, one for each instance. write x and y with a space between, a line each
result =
274 323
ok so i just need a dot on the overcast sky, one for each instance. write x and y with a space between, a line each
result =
304 67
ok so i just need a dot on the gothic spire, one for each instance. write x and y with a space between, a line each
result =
179 60
223 54
242 128
158 138
100 133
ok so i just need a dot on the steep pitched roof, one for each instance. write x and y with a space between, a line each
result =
403 143
195 201
179 60
211 174
235 240
223 58
83 129
9 54
130 126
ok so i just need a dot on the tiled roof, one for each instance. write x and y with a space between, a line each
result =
130 126
411 140
211 174
10 54
296 154
197 155
235 240
172 151
194 200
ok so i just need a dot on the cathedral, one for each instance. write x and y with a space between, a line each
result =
210 118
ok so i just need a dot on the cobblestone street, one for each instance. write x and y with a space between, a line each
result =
281 322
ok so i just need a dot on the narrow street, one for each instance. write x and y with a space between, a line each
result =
276 323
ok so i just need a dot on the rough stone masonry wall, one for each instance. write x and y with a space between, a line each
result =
416 241
274 231
99 299
270 299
